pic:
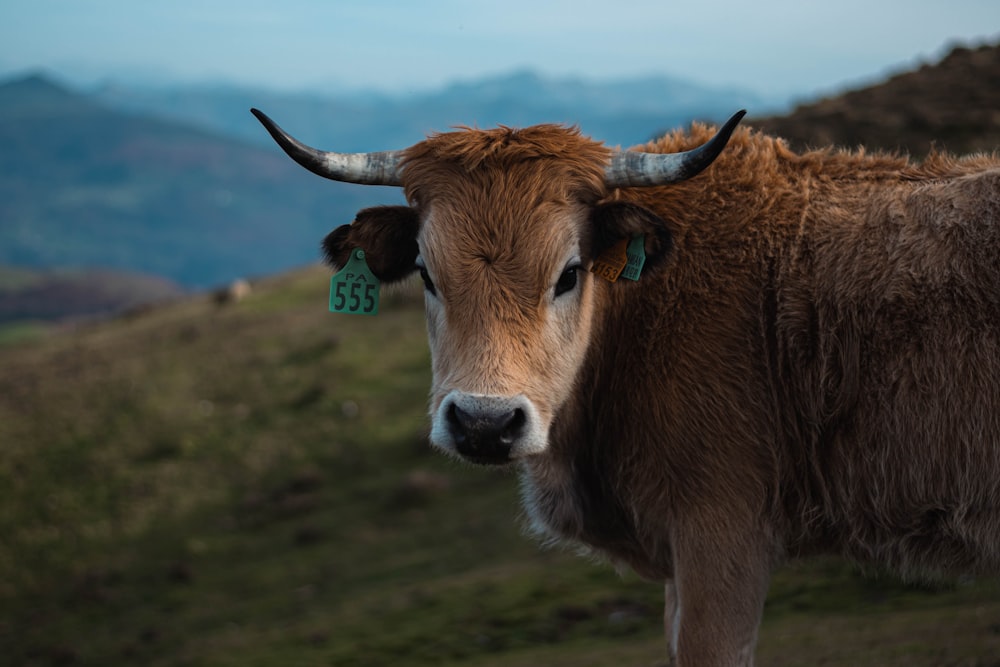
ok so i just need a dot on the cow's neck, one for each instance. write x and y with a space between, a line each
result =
576 490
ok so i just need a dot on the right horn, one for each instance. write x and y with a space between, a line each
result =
380 168
636 169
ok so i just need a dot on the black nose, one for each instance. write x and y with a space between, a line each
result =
485 435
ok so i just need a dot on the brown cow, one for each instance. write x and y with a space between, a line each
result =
809 361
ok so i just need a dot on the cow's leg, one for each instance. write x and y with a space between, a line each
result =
670 617
720 589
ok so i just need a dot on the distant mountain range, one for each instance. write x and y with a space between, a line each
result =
619 113
83 185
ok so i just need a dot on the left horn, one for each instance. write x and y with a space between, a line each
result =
381 168
636 169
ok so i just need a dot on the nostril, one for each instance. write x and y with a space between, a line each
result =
514 426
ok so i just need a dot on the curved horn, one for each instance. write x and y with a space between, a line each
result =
380 168
636 169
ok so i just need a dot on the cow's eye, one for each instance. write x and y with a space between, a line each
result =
567 280
426 277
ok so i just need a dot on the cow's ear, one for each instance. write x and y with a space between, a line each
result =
387 234
619 220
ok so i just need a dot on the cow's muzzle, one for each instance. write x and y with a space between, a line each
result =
490 430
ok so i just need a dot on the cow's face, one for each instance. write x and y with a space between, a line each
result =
504 251
509 307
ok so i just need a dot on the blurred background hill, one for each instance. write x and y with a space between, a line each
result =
952 105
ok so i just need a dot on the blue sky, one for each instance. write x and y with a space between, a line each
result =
775 47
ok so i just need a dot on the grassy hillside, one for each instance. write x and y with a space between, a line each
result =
249 484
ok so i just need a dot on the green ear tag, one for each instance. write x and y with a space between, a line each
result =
354 289
636 253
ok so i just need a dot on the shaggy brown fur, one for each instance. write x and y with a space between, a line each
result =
809 363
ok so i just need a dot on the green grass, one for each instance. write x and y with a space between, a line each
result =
16 333
250 484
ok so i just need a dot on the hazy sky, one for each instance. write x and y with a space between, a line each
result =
779 46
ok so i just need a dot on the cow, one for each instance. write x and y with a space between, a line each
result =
808 362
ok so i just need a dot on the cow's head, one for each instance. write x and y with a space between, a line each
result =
502 226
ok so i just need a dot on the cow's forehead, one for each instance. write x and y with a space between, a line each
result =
539 163
504 203
510 237
504 147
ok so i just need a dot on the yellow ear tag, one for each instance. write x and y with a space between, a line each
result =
609 264
354 289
